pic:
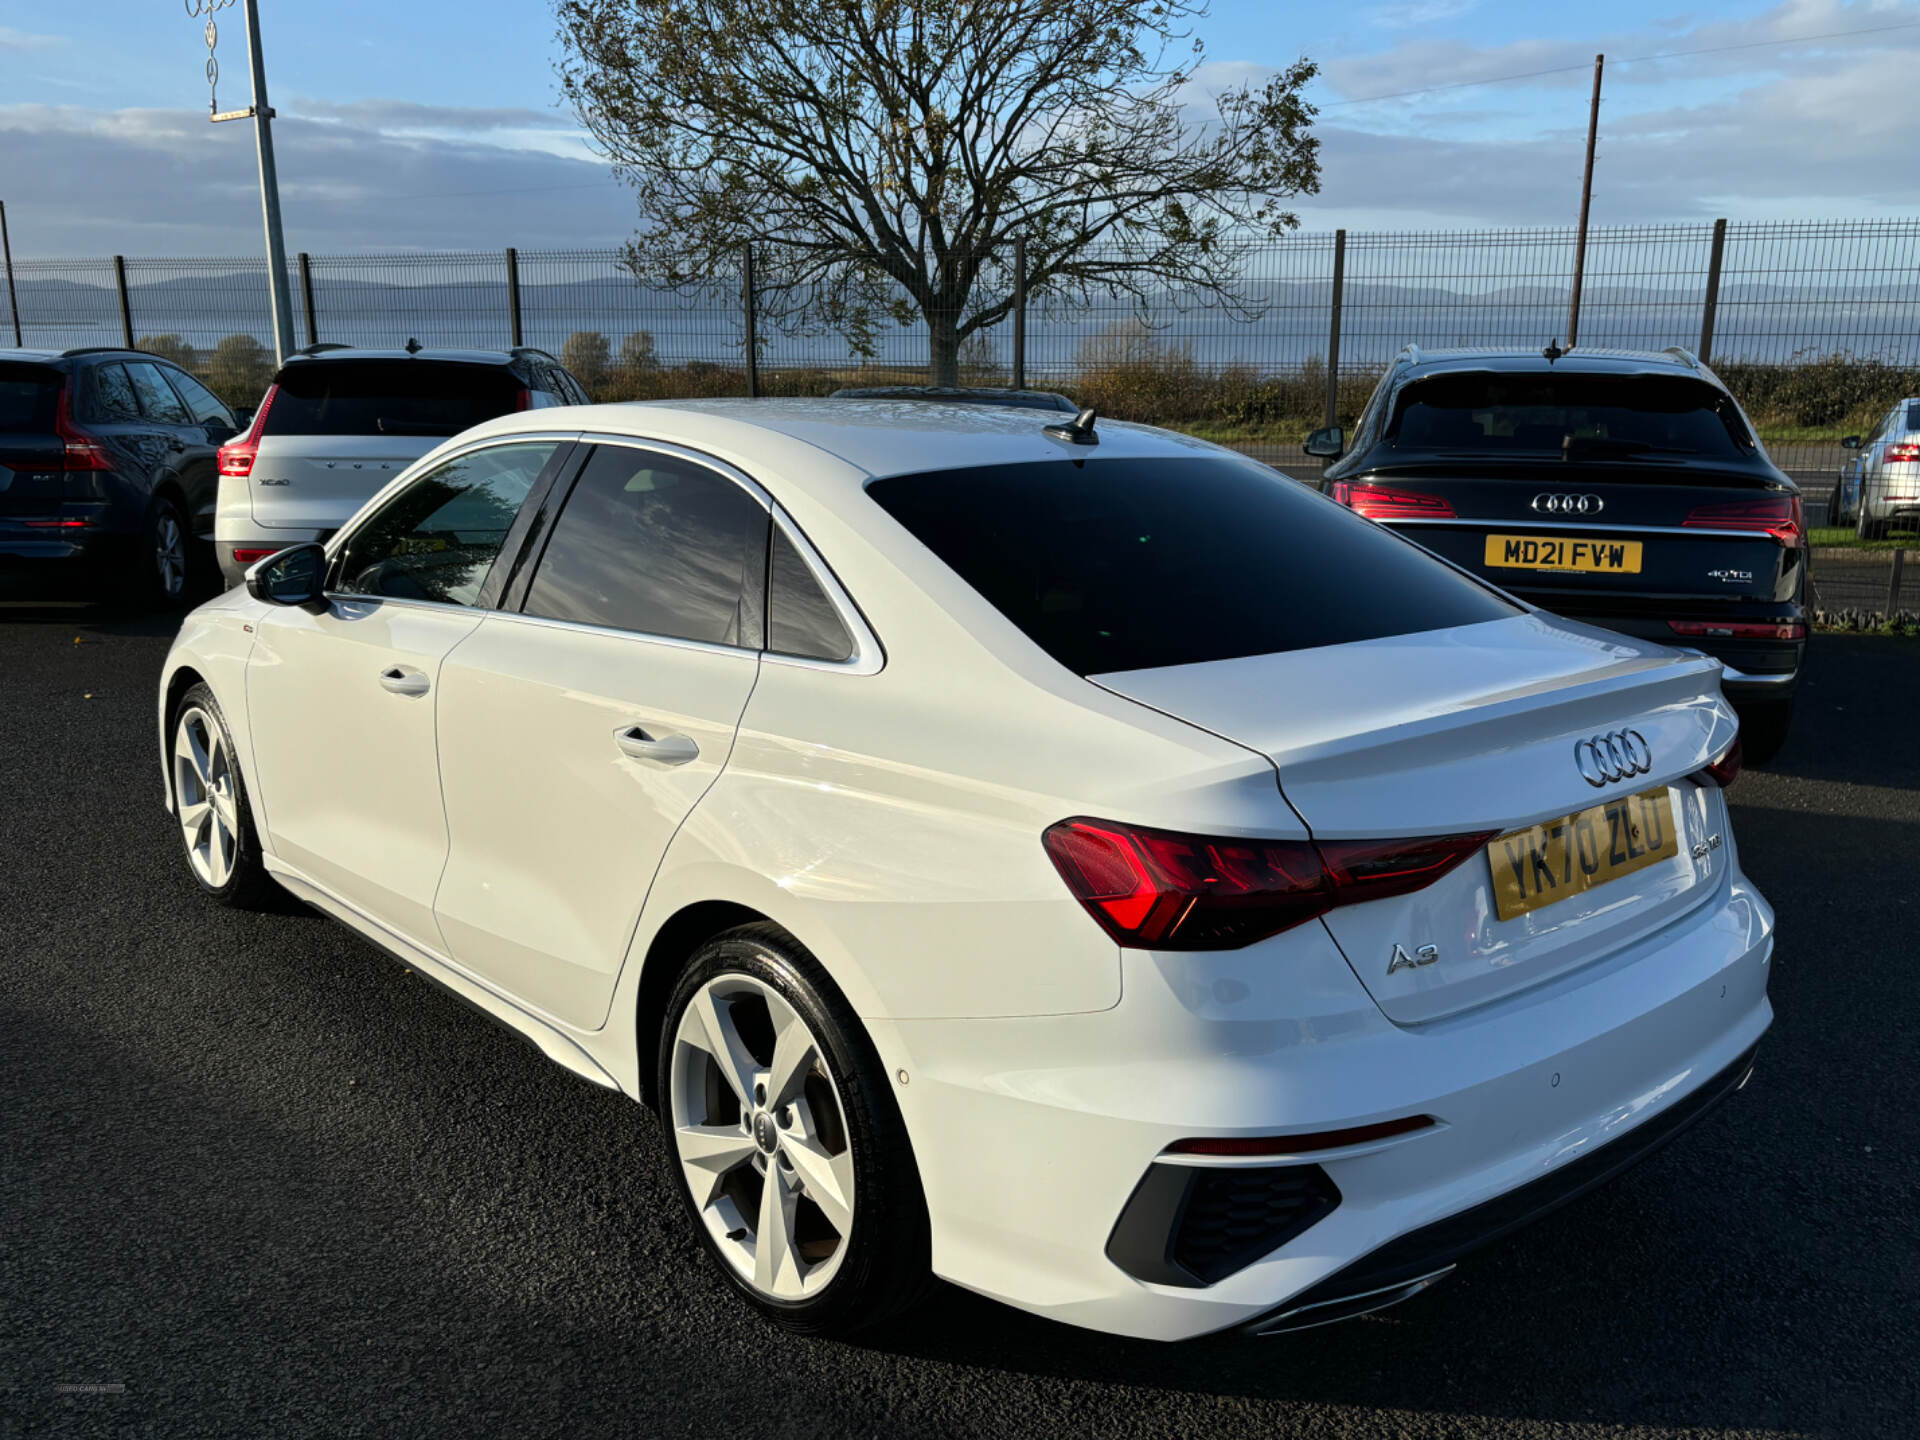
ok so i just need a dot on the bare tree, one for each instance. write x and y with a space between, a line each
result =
888 152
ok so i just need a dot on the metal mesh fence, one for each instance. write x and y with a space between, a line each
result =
1816 324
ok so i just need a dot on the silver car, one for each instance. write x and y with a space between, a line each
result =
1879 485
338 423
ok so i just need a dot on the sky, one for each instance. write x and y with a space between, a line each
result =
437 124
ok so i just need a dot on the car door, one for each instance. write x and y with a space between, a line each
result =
110 410
341 701
576 735
212 426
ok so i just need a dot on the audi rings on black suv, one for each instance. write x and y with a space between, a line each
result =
1622 488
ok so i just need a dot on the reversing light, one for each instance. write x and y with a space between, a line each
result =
1250 1145
1779 516
1165 890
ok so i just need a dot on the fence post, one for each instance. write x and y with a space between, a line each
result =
126 308
306 299
513 296
1712 305
1020 313
13 300
753 339
1333 327
1893 584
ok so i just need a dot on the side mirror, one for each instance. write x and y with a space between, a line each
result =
1327 444
294 576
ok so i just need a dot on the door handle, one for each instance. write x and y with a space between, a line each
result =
402 681
662 750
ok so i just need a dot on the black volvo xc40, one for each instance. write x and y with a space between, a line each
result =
1620 488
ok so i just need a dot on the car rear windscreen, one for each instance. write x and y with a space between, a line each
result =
388 397
1131 564
29 395
1581 416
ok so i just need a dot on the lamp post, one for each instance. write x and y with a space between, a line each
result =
261 113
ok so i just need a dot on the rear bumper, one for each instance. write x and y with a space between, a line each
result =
1035 1136
1404 1267
1754 670
93 555
226 545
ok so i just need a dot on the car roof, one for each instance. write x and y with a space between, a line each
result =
789 438
962 395
459 357
1516 359
33 355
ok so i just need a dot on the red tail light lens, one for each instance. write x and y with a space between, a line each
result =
81 451
1779 517
244 556
523 399
1163 890
1740 629
1724 771
1900 454
1378 502
236 457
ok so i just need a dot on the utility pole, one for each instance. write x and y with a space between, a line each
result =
261 113
13 300
1586 204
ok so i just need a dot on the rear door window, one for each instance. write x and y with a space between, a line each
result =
157 400
201 402
113 402
1112 565
437 539
29 399
388 397
659 545
801 620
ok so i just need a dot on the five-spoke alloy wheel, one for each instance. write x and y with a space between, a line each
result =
210 803
783 1137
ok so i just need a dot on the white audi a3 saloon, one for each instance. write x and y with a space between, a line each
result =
1058 856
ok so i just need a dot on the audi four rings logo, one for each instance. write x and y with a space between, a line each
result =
1568 504
1604 759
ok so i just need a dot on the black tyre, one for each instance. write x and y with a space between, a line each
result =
210 804
1763 730
164 568
784 1141
1835 506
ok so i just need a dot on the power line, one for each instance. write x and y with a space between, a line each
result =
1630 60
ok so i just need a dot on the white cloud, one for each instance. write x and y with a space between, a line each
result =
1407 14
12 39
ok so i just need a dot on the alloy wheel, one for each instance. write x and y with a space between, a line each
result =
170 554
203 784
762 1137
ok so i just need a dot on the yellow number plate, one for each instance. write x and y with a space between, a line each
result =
1573 854
1570 552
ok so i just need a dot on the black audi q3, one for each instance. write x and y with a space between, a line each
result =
1621 488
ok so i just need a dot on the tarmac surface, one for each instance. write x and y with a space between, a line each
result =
257 1179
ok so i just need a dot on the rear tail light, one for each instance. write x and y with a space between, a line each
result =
1778 516
244 556
56 524
1900 454
1163 890
1740 629
1723 771
1378 502
237 456
523 399
80 450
